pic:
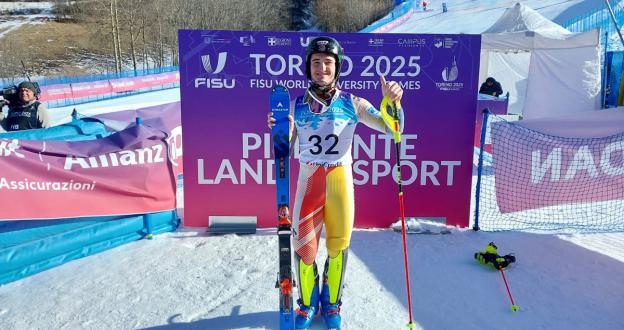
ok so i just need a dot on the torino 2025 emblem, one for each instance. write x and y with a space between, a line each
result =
450 76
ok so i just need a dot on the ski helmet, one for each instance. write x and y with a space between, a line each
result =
326 45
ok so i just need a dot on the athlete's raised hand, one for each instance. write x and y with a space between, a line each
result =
391 89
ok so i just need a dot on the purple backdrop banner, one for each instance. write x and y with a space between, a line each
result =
225 80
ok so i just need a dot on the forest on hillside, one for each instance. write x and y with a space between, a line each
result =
106 36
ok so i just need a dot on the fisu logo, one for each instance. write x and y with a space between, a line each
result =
215 83
206 63
304 41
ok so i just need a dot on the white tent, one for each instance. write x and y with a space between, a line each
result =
546 69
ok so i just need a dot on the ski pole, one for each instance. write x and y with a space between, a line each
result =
514 307
392 121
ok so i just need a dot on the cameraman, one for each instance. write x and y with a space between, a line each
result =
26 112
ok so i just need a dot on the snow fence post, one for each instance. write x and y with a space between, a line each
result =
147 226
486 113
603 94
146 217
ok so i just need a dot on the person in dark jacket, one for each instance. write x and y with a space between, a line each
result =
27 112
491 87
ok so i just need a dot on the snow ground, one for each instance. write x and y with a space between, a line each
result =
15 6
15 14
188 280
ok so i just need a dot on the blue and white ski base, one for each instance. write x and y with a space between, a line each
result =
280 107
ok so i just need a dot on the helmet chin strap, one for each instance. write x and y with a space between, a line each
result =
318 89
321 94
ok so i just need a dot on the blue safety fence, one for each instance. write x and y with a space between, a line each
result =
598 18
46 81
108 96
28 247
612 61
401 9
614 64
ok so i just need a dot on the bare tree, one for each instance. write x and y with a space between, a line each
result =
65 10
143 33
132 12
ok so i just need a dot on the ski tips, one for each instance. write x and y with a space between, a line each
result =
280 88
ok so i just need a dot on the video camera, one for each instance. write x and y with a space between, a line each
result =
11 94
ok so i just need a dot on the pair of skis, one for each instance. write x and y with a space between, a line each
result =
279 102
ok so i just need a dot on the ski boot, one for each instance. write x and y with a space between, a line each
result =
308 293
331 315
332 289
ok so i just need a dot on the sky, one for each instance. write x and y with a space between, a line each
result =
190 280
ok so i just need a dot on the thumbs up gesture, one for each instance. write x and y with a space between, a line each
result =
391 89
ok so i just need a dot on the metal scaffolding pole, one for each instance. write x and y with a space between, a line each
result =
617 28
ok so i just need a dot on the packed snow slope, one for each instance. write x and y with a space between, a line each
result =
188 280
14 14
472 16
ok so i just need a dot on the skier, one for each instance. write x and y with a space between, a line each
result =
323 122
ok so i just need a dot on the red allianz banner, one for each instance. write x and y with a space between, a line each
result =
543 162
102 87
164 117
93 88
56 92
129 172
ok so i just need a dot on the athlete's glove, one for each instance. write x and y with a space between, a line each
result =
490 257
